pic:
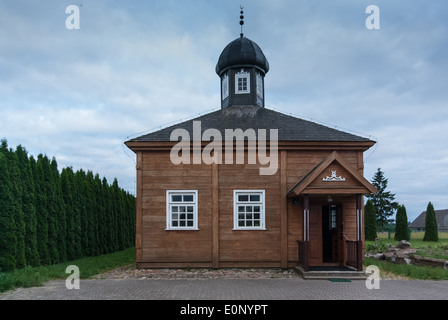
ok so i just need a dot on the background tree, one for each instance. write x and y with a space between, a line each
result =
41 210
15 204
370 221
431 233
59 212
401 224
7 235
383 200
68 188
28 207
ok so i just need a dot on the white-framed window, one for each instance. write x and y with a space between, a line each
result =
242 82
225 86
259 85
249 210
181 210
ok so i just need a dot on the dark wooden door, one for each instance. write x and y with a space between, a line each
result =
330 233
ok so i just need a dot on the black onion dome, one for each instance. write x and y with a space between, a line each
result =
242 52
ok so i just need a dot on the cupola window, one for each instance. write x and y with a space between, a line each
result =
259 85
225 86
242 82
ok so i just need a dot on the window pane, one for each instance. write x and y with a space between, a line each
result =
175 224
249 216
240 223
248 208
256 223
243 197
182 209
174 209
257 216
240 209
182 223
255 197
189 209
190 216
189 223
175 216
188 198
256 208
176 198
249 223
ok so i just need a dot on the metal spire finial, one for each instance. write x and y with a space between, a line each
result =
241 20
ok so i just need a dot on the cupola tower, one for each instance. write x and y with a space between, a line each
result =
242 67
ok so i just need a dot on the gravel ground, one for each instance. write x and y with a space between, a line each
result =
198 273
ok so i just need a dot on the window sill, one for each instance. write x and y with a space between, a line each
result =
249 229
182 229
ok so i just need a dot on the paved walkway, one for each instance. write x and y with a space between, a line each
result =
233 289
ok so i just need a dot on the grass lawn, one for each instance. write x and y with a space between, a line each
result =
88 267
429 249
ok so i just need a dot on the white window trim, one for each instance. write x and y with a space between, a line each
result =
169 203
262 210
241 75
225 86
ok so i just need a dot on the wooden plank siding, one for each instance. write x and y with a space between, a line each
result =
216 243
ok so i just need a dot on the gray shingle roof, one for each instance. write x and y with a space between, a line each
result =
419 222
251 117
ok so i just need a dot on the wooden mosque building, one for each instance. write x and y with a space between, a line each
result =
246 186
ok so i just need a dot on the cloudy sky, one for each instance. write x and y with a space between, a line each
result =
135 66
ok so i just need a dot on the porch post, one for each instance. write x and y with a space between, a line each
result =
359 232
306 218
306 233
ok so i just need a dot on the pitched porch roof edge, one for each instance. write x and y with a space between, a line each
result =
319 168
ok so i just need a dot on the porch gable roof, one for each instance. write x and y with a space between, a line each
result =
310 183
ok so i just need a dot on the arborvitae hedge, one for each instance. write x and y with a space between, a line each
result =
431 232
401 226
370 221
48 217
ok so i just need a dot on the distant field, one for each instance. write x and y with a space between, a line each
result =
417 235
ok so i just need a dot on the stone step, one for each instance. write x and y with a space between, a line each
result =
326 275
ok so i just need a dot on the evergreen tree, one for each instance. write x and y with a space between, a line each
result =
83 228
431 232
107 214
28 207
7 236
100 216
89 216
383 200
370 221
114 216
68 189
41 209
401 226
51 207
16 204
59 212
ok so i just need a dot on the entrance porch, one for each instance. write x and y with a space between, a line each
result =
330 196
332 233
